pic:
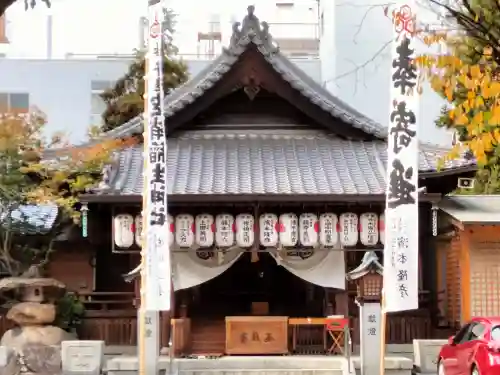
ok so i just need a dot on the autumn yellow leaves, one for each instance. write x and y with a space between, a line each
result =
473 89
28 175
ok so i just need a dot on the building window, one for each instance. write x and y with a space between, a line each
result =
14 102
97 105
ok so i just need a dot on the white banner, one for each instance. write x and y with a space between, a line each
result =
157 253
401 215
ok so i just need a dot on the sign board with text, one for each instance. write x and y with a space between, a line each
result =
256 335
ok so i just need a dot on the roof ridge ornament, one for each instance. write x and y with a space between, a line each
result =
252 29
368 264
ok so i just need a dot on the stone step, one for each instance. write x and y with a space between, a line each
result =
263 372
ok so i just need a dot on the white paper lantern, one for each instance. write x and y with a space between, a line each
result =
368 228
204 230
245 234
289 230
171 230
184 227
224 230
381 228
138 230
328 229
268 225
123 230
308 229
349 229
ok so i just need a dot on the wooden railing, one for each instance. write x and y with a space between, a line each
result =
401 329
120 328
114 328
107 301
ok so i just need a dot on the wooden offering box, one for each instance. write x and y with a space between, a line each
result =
256 335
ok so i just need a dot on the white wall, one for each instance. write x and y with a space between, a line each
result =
62 88
355 32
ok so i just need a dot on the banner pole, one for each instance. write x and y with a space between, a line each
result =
148 332
154 212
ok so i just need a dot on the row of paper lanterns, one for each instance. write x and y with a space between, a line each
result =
287 230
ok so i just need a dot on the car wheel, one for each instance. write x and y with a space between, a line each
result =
441 368
475 370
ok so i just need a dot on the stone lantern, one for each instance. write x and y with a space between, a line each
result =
368 277
34 311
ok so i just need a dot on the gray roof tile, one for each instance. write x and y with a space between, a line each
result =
32 219
204 162
253 32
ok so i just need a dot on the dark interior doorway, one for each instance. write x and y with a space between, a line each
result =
233 292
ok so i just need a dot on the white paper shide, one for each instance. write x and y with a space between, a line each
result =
157 254
401 214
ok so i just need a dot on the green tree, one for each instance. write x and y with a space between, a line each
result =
124 100
467 77
4 4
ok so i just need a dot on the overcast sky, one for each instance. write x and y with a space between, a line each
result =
106 26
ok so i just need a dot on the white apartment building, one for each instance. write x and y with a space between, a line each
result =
326 38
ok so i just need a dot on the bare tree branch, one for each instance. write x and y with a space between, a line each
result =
362 66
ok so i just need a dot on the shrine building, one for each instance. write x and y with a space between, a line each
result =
276 193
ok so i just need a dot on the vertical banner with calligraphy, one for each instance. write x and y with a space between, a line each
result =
157 252
401 229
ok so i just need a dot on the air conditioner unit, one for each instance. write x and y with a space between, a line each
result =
465 183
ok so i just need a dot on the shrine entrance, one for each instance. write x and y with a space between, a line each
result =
246 309
257 286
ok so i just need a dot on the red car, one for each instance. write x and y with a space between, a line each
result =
474 350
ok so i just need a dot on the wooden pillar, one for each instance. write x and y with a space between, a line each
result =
465 275
342 303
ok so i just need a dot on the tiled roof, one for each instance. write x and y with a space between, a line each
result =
32 219
253 32
473 209
308 162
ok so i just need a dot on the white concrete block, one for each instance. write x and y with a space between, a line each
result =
426 354
82 357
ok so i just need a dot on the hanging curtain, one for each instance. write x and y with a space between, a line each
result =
192 267
324 268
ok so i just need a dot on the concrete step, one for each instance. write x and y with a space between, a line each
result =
251 365
262 372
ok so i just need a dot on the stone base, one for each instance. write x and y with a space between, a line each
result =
262 365
17 338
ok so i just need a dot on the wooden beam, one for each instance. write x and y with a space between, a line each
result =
251 199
